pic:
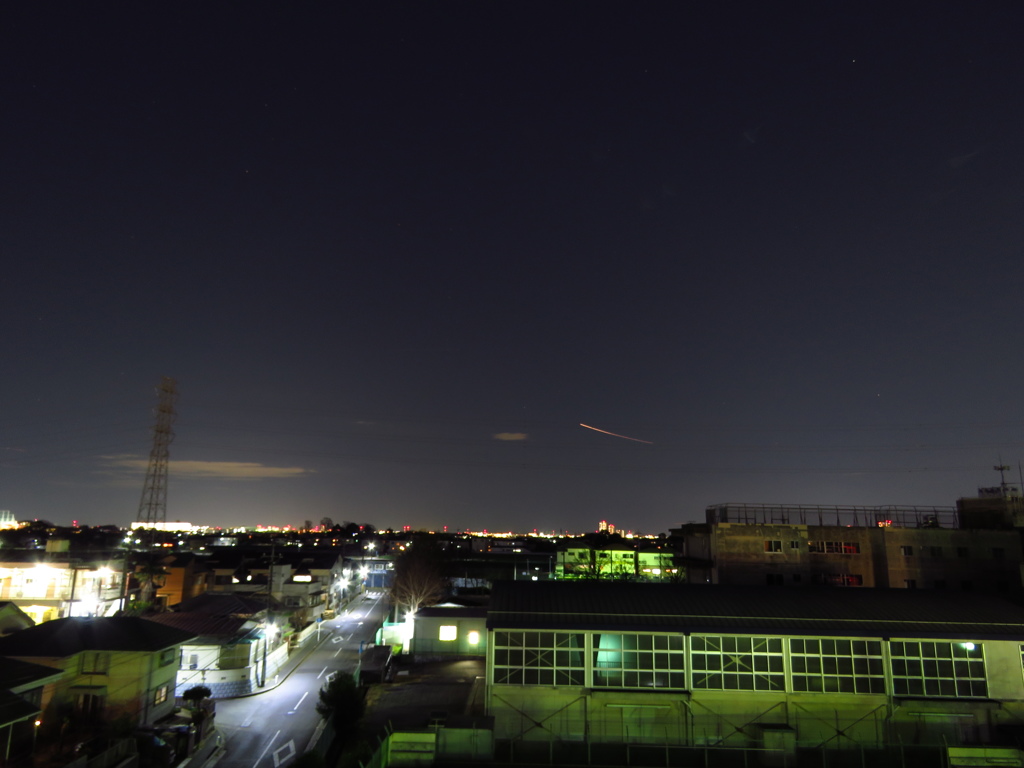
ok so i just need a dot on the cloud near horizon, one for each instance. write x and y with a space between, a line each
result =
511 436
234 470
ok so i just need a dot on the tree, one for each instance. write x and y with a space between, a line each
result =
196 694
418 580
341 703
151 575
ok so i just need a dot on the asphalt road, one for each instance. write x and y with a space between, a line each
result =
270 729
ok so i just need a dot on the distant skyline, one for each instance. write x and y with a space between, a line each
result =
509 265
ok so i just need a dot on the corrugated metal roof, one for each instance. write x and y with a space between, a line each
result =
741 610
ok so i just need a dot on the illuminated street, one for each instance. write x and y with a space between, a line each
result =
272 728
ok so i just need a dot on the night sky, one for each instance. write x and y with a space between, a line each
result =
395 253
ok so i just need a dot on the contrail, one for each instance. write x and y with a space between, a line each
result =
614 434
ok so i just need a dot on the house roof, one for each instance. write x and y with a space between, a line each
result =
451 612
18 676
205 626
844 612
61 638
224 604
14 709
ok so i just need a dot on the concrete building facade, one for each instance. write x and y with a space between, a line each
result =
885 547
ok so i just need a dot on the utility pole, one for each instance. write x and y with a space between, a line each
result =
267 624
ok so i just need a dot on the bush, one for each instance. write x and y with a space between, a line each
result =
196 693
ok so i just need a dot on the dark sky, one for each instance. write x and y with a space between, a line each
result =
395 254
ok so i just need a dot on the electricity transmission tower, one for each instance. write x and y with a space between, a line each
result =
153 505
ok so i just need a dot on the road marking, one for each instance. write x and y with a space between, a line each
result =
321 673
337 652
337 639
264 752
301 700
279 758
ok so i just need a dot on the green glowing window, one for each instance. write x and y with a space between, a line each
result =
737 663
938 669
538 658
639 661
836 665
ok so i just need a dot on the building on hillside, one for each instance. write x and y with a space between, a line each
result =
796 545
615 560
58 582
573 666
21 694
114 667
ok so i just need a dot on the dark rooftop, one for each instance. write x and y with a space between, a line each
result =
61 638
686 608
17 675
205 626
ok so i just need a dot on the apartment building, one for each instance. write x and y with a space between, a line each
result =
796 545
58 582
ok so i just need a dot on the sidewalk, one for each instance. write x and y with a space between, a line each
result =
213 747
294 660
210 750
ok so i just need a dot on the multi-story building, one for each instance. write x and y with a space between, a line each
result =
187 576
58 582
615 560
903 547
230 655
113 666
303 584
653 671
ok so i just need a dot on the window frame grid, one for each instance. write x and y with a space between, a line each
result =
630 676
525 673
734 670
875 682
910 674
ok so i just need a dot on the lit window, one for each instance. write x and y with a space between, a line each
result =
160 695
448 632
474 637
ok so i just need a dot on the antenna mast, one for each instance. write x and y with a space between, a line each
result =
153 505
1002 469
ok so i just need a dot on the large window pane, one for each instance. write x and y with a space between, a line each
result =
748 663
938 669
836 665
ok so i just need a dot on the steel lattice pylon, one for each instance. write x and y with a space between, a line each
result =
153 506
